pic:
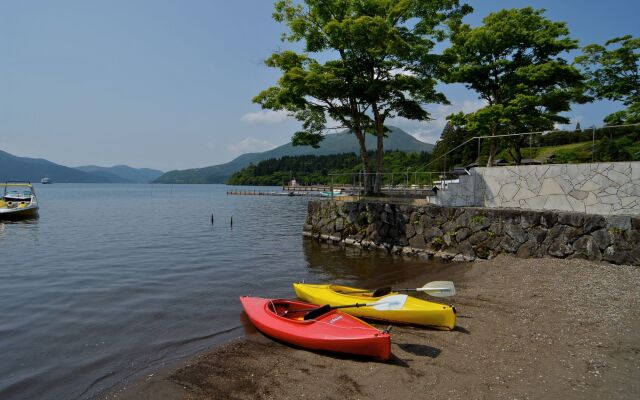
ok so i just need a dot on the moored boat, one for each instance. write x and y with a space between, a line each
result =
18 200
332 331
414 311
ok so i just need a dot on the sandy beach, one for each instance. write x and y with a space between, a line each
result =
526 329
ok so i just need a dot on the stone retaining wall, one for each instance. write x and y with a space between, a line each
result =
596 188
466 233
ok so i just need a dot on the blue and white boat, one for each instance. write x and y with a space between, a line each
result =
18 200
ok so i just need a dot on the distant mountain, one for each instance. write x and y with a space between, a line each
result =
13 168
123 173
336 143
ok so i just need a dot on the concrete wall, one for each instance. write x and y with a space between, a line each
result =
599 188
466 233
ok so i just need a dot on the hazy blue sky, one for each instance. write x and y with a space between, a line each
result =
168 84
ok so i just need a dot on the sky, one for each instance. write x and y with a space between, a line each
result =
167 84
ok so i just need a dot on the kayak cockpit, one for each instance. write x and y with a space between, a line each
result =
287 310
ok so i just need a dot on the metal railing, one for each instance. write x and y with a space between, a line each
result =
409 183
605 130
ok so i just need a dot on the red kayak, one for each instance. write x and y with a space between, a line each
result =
332 331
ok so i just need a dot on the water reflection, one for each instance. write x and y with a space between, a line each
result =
23 228
371 269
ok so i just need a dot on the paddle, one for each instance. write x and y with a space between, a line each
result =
395 302
435 289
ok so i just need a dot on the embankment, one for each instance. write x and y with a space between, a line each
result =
467 233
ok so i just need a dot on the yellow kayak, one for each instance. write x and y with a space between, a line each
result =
415 311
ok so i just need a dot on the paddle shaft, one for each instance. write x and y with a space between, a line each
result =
329 307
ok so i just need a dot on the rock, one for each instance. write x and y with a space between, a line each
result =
418 228
462 234
586 247
414 218
409 231
559 249
516 233
464 249
478 237
602 238
593 222
448 239
417 241
571 219
479 222
528 219
432 232
527 249
482 251
548 219
509 245
621 222
462 258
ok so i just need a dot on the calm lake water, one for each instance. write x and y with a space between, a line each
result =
114 281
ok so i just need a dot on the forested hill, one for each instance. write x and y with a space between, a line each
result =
311 169
337 143
123 173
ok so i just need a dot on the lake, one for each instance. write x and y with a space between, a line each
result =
114 281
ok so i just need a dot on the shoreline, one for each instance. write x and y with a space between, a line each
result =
526 328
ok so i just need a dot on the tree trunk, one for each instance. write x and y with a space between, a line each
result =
379 125
492 153
364 157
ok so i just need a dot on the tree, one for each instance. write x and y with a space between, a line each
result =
378 66
614 74
512 61
453 136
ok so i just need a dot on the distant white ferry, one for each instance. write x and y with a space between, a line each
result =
46 181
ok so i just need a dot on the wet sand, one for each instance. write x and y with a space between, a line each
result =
526 329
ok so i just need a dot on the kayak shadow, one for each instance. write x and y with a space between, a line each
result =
421 350
460 329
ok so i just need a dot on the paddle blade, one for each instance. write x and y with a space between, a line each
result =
395 302
315 313
439 289
381 292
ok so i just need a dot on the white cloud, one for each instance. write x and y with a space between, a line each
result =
250 145
430 131
265 117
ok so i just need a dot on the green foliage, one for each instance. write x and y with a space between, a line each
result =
611 150
372 62
316 169
512 61
613 72
452 137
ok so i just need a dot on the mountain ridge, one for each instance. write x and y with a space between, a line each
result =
124 172
16 168
335 143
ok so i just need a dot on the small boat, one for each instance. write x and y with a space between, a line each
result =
46 181
333 193
332 331
18 200
414 311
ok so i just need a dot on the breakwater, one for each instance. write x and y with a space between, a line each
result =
466 233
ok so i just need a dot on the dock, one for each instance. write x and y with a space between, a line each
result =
269 193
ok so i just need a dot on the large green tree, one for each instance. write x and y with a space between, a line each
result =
614 74
513 62
364 62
